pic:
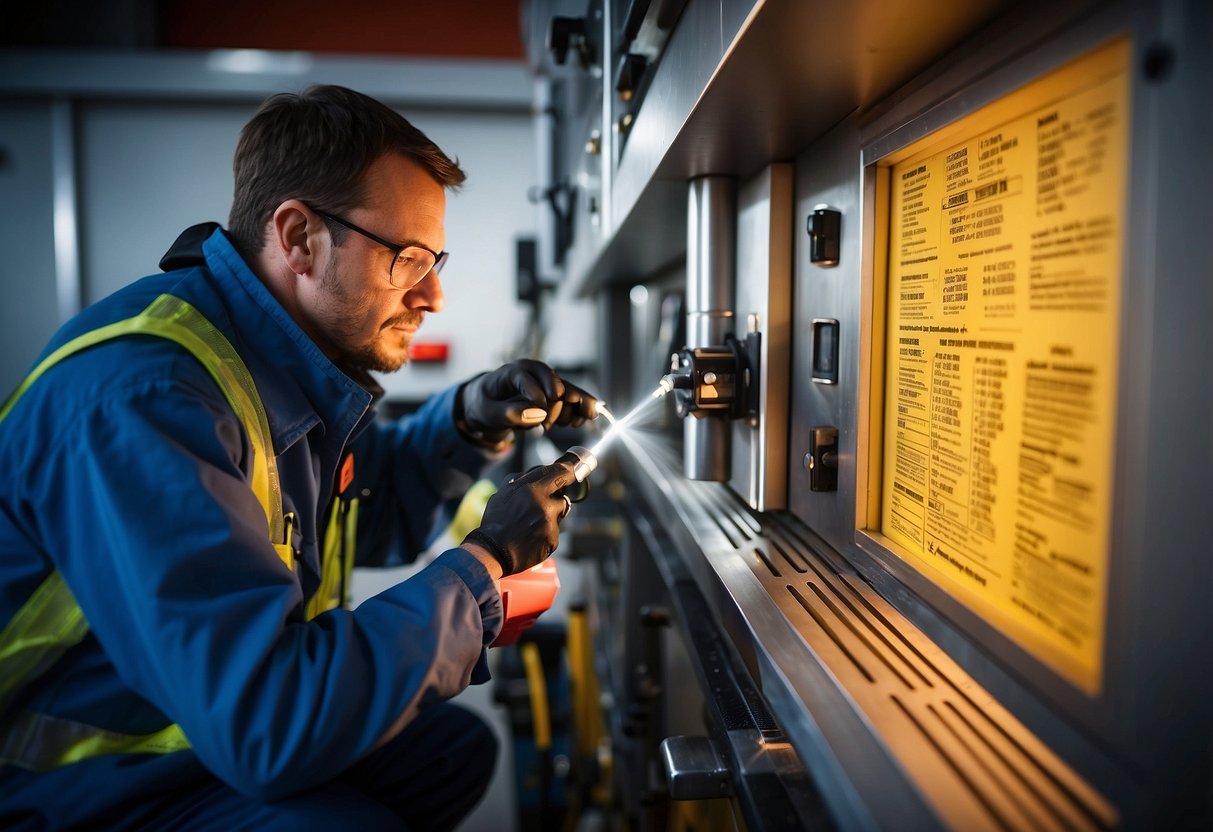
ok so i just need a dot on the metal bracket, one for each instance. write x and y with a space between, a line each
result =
694 769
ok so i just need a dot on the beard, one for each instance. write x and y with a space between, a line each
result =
346 311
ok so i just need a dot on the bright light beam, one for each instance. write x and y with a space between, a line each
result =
619 425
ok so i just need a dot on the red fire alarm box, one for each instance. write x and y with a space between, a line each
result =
436 352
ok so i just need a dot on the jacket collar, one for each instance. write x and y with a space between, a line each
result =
300 387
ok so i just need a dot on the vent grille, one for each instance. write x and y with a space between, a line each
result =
935 715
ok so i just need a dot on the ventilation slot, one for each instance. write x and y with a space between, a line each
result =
850 625
901 639
1089 813
846 594
767 563
774 544
958 768
829 631
724 530
747 526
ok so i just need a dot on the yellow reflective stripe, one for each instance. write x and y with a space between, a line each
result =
351 540
471 509
51 622
286 554
39 742
46 627
330 567
340 538
172 318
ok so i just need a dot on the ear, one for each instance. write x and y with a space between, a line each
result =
295 230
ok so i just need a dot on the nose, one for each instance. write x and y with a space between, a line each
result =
426 295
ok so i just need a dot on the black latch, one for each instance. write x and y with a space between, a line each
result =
825 350
565 32
631 71
822 459
825 234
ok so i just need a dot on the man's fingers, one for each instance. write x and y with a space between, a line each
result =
528 388
551 478
553 414
538 381
579 405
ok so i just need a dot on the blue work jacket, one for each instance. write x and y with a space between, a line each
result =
127 471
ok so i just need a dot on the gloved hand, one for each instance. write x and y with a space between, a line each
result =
521 394
521 524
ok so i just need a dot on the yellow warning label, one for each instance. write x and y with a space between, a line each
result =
1001 347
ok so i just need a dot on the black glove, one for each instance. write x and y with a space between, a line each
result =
521 524
491 405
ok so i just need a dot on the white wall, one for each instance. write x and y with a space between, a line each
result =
28 300
147 171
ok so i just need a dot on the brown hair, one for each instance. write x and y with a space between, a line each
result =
316 146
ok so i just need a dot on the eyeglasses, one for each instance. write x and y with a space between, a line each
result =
411 262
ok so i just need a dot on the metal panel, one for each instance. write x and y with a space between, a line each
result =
741 84
1158 579
892 730
764 307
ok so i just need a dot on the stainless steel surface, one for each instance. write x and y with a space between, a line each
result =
742 84
68 288
694 769
711 265
711 257
896 735
706 448
763 305
692 54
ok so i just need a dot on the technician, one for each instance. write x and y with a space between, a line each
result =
192 469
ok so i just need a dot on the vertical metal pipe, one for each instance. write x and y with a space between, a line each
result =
711 275
68 286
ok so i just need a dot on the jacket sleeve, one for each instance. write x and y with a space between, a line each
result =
411 476
145 507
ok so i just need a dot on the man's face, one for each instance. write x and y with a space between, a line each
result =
364 321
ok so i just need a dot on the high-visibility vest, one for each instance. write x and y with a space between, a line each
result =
51 622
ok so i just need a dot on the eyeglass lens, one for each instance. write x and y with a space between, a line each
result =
413 264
